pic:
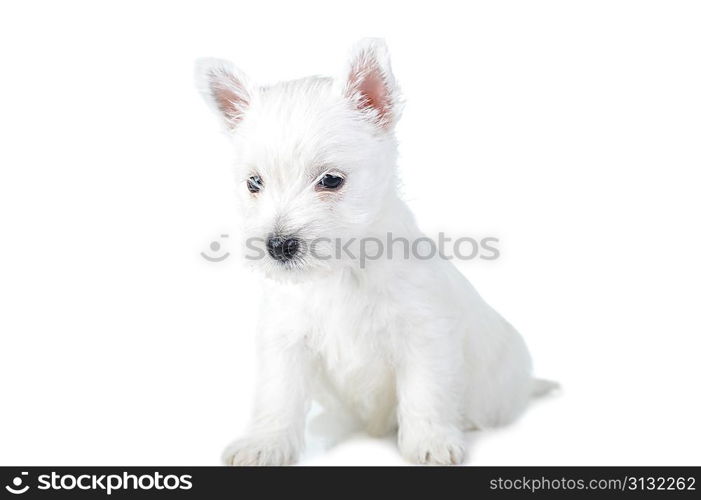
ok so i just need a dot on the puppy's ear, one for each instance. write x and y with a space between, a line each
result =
225 87
370 84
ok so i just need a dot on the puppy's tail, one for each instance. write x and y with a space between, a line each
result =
541 387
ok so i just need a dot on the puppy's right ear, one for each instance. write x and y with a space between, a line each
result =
370 84
225 87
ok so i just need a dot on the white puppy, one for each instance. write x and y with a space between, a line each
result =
398 341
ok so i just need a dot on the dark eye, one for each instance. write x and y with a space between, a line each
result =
254 183
330 181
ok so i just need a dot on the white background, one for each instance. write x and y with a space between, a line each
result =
570 130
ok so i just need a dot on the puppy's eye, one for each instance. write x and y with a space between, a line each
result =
254 183
330 182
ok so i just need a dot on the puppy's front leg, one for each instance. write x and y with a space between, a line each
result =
430 382
276 435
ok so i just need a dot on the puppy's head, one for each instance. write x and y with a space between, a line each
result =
314 157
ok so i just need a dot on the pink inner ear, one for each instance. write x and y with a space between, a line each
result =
230 97
369 83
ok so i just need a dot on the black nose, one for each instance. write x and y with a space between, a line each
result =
281 248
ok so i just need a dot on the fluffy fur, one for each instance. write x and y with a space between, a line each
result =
403 344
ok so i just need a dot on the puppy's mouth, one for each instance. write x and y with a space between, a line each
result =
296 263
288 256
293 270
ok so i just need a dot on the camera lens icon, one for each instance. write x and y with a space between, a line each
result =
16 488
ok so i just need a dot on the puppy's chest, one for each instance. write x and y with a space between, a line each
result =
353 330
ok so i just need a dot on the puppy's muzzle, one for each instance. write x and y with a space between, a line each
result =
282 248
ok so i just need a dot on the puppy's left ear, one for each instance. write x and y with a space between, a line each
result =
370 84
225 87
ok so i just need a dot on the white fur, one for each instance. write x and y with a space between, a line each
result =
405 344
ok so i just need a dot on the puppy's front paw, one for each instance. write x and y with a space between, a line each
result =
433 446
268 449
